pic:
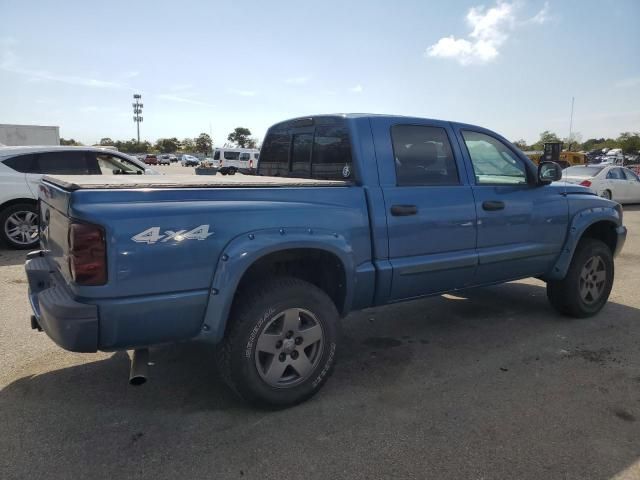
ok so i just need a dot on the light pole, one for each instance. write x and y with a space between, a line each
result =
137 112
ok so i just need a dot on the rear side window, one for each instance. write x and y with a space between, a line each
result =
68 163
275 154
256 156
22 163
245 156
615 174
231 155
301 155
322 152
331 153
423 156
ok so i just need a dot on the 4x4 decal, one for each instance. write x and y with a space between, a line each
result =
152 235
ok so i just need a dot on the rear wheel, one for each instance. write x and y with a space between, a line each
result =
281 343
586 287
606 194
19 226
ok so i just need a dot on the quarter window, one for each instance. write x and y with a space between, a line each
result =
423 156
493 162
22 163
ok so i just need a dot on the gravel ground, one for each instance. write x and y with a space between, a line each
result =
488 384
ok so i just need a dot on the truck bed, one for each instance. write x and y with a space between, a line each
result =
93 182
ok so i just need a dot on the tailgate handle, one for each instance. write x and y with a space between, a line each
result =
491 205
403 210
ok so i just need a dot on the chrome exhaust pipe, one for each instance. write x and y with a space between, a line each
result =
139 367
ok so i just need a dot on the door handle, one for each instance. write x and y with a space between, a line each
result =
492 205
403 210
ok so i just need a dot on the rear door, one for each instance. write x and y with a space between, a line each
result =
429 206
61 163
633 186
521 225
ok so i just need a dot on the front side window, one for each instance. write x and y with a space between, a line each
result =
423 156
493 162
112 164
216 155
67 163
231 155
631 175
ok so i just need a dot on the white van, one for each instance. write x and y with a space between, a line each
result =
245 160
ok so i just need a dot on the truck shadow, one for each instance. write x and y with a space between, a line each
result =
11 257
382 348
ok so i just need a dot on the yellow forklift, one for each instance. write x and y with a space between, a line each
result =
553 152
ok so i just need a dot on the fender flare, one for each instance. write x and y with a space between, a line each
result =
244 250
579 224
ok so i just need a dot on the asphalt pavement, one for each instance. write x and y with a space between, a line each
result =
485 384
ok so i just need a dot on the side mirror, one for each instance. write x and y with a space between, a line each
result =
549 172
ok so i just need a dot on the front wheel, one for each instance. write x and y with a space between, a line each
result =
586 287
281 343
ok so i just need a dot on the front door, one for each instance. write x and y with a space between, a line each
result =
521 225
429 207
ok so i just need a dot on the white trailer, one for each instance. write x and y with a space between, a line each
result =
18 135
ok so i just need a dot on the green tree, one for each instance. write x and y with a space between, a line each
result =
629 142
167 145
573 142
521 144
106 141
241 137
203 143
71 142
188 145
545 137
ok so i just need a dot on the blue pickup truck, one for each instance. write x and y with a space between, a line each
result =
346 212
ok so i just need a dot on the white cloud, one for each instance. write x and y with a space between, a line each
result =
490 29
243 93
628 82
181 87
297 80
176 98
357 89
9 63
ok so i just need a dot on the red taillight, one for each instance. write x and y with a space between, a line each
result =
250 163
585 183
87 254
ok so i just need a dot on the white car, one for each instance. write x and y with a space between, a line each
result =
608 181
21 169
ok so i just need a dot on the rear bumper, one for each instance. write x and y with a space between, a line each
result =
71 324
621 233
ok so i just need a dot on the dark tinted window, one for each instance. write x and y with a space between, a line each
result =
22 163
423 156
274 159
301 155
216 155
331 153
68 163
256 156
231 155
631 175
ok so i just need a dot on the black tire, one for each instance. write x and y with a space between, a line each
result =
607 194
5 226
251 317
566 295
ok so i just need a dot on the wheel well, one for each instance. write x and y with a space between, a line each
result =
605 231
318 267
16 201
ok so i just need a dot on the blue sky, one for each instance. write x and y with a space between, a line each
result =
510 66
